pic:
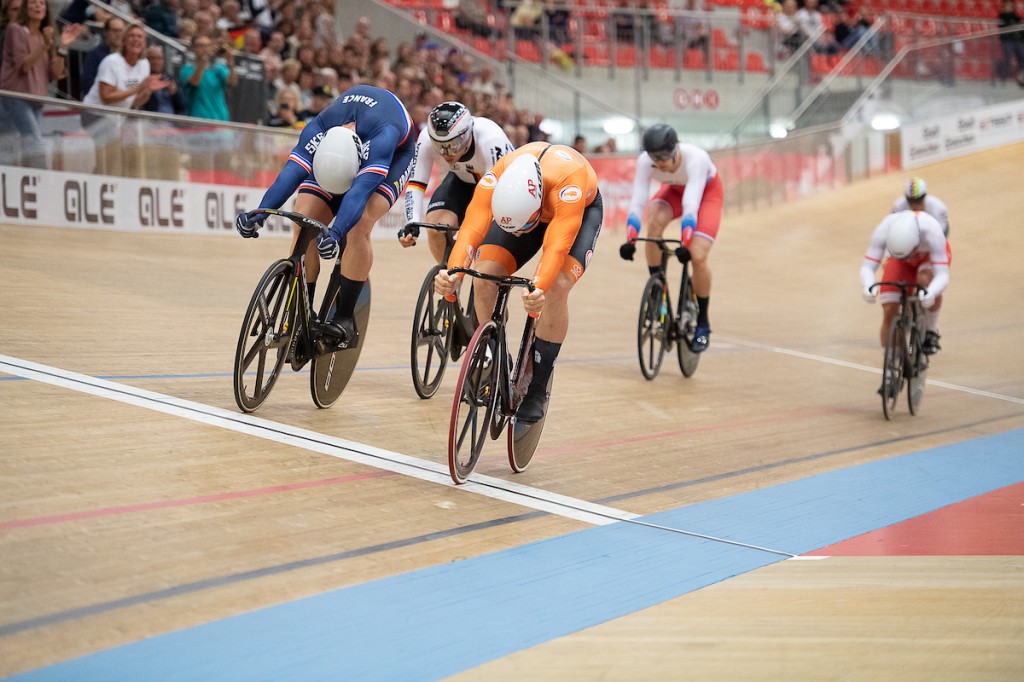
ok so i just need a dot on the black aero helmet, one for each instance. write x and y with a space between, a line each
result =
450 126
660 141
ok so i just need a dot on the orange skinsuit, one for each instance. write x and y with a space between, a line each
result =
569 186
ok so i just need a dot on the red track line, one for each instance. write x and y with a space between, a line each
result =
112 511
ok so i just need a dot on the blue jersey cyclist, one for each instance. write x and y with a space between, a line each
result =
350 165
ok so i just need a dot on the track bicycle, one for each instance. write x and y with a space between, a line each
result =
440 329
490 388
904 360
659 327
281 326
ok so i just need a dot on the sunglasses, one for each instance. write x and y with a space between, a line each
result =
662 155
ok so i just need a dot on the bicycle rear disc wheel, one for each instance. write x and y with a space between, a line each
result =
330 371
688 360
266 335
474 402
431 338
651 336
918 371
892 367
523 439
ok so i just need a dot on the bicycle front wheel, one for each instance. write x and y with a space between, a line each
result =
474 402
917 372
431 338
688 360
266 335
651 327
892 366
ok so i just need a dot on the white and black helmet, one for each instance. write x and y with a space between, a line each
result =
450 126
904 235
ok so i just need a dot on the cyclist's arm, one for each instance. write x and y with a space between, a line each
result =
419 177
698 168
562 230
875 254
938 256
475 224
368 179
641 188
298 167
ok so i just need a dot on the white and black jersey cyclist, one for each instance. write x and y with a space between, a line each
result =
464 147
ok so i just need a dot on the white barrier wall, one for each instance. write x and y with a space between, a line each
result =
948 136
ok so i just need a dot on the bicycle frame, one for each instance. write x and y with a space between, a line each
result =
910 323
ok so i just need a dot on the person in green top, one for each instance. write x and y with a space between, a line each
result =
206 79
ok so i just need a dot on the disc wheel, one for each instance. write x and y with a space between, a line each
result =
523 439
265 336
688 360
892 367
331 370
431 338
651 328
473 403
918 371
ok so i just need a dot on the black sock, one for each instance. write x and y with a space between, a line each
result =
702 311
654 269
544 354
348 296
311 293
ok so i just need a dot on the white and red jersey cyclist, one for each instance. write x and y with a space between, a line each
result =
693 175
489 144
932 252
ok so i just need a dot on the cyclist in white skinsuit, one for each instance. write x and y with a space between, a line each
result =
465 147
917 191
918 253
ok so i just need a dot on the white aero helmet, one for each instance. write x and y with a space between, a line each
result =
516 201
336 159
904 235
916 189
450 126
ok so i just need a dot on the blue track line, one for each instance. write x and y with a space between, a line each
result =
442 620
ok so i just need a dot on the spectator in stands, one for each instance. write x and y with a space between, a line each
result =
287 114
275 45
558 24
1011 43
695 31
205 24
186 31
811 22
123 81
623 20
113 39
33 56
167 100
471 16
289 77
252 42
850 27
8 16
580 144
205 80
526 19
263 14
231 18
162 16
788 28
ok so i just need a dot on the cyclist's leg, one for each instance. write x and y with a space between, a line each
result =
315 207
448 206
931 346
485 293
659 214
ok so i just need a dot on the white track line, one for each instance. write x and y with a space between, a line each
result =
488 486
866 368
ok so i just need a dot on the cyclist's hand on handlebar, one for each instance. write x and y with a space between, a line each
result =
327 245
533 301
869 295
249 223
406 239
682 254
444 284
927 299
627 251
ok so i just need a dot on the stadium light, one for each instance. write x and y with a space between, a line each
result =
618 126
885 121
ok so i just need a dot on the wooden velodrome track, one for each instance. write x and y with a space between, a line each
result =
124 517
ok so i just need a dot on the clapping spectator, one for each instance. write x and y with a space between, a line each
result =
30 62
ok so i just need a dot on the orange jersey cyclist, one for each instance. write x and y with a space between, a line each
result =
545 198
691 188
